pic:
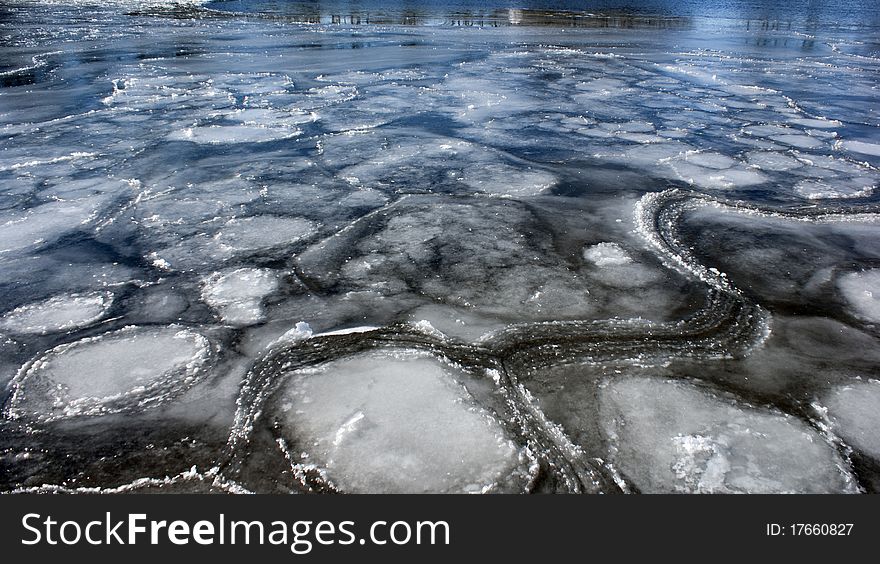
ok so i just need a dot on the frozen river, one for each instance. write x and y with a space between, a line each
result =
265 246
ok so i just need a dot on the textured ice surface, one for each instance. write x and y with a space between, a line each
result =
397 422
235 237
254 233
861 290
427 163
772 160
834 188
220 134
237 295
785 260
470 182
58 313
862 147
43 224
132 368
607 254
669 436
854 410
471 255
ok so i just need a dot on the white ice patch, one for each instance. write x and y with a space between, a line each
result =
854 410
669 436
264 231
861 290
607 254
711 160
237 295
395 422
432 164
834 188
229 134
772 160
47 222
504 180
704 177
58 313
133 368
861 147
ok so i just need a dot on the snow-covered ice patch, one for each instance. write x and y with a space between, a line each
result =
772 160
862 147
607 254
861 290
854 410
669 436
237 295
397 422
228 134
264 231
130 369
833 188
58 313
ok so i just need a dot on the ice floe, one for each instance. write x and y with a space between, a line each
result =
607 254
130 369
58 313
861 290
394 422
237 295
671 436
854 410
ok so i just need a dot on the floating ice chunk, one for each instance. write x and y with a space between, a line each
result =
458 323
711 178
796 140
854 410
607 254
669 436
300 331
394 422
332 94
818 189
270 117
642 138
861 290
223 134
629 127
237 295
650 155
47 222
710 160
816 123
772 160
418 162
133 368
264 231
505 180
861 147
59 313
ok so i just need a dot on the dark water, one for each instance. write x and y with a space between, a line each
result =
358 246
814 13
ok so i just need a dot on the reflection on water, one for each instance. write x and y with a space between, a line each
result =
315 13
809 15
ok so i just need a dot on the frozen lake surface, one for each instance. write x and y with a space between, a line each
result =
266 246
